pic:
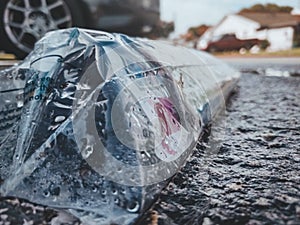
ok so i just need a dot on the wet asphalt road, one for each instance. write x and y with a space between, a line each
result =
251 176
288 66
246 170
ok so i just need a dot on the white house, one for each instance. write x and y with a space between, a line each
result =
277 28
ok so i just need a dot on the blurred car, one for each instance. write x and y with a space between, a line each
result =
229 42
23 22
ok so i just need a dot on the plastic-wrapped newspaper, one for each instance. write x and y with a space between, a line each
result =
102 121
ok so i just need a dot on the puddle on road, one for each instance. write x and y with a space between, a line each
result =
280 67
271 72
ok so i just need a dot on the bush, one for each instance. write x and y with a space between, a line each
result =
264 44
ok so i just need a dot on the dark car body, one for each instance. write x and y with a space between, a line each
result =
23 22
130 16
229 42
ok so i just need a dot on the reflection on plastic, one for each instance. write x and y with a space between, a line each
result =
106 121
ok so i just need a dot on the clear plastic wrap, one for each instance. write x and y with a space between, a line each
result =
106 121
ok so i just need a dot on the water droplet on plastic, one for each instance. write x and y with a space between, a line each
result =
59 119
133 207
87 152
46 193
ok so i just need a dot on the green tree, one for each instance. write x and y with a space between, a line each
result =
161 29
195 32
267 8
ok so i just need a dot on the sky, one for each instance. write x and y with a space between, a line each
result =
188 13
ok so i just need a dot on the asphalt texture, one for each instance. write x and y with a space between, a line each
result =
252 175
245 170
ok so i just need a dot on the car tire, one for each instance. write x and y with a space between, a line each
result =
22 23
243 51
248 46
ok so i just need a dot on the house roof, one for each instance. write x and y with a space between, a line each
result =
272 20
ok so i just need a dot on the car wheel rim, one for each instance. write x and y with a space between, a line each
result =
26 21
